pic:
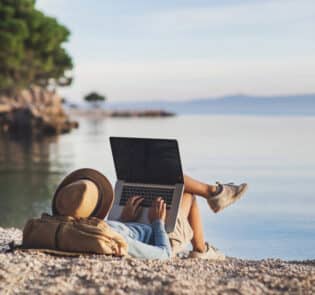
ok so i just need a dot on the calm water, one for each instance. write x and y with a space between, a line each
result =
275 155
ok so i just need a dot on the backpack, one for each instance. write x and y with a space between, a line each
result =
67 234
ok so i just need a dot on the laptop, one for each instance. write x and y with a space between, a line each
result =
149 168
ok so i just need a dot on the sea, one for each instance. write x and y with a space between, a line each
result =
275 155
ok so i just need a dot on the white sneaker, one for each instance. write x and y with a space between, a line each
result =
211 253
228 195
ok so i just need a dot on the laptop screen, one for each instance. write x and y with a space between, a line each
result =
143 160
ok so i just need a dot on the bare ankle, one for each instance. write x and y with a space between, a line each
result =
212 189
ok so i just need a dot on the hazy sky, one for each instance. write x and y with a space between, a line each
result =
147 50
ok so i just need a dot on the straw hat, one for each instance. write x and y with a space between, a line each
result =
83 193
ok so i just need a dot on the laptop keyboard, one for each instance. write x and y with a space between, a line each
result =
149 194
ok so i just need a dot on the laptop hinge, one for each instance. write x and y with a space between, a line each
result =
148 185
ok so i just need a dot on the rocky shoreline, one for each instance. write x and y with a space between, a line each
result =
37 111
34 111
31 272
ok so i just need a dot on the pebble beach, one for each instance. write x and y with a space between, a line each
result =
33 272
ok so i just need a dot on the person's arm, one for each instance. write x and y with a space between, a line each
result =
160 236
161 248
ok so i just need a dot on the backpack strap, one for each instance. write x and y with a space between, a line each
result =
61 224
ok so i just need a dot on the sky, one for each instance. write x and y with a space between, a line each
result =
179 50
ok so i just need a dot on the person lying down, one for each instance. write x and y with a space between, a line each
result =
89 193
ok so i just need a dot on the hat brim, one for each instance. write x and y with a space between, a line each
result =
106 194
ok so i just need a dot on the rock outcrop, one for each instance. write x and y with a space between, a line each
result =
34 111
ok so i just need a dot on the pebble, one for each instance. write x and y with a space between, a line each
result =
36 273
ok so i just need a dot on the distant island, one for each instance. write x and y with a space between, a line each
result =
96 107
282 105
121 113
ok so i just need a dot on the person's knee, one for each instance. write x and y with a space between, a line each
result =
188 196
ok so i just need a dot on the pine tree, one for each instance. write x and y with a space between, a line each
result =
31 51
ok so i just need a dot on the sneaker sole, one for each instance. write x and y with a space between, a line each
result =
217 258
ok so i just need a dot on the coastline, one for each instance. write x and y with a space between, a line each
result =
104 113
31 272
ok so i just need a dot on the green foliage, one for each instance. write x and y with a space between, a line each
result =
94 97
31 51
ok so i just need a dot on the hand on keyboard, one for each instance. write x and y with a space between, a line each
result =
148 193
132 209
157 210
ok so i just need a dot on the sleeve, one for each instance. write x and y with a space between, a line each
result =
161 248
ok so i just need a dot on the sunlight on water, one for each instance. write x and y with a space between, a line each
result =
275 155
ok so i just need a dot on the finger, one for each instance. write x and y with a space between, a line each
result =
134 199
135 206
164 211
137 202
158 200
131 200
161 205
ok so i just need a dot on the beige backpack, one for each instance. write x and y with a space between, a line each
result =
67 234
